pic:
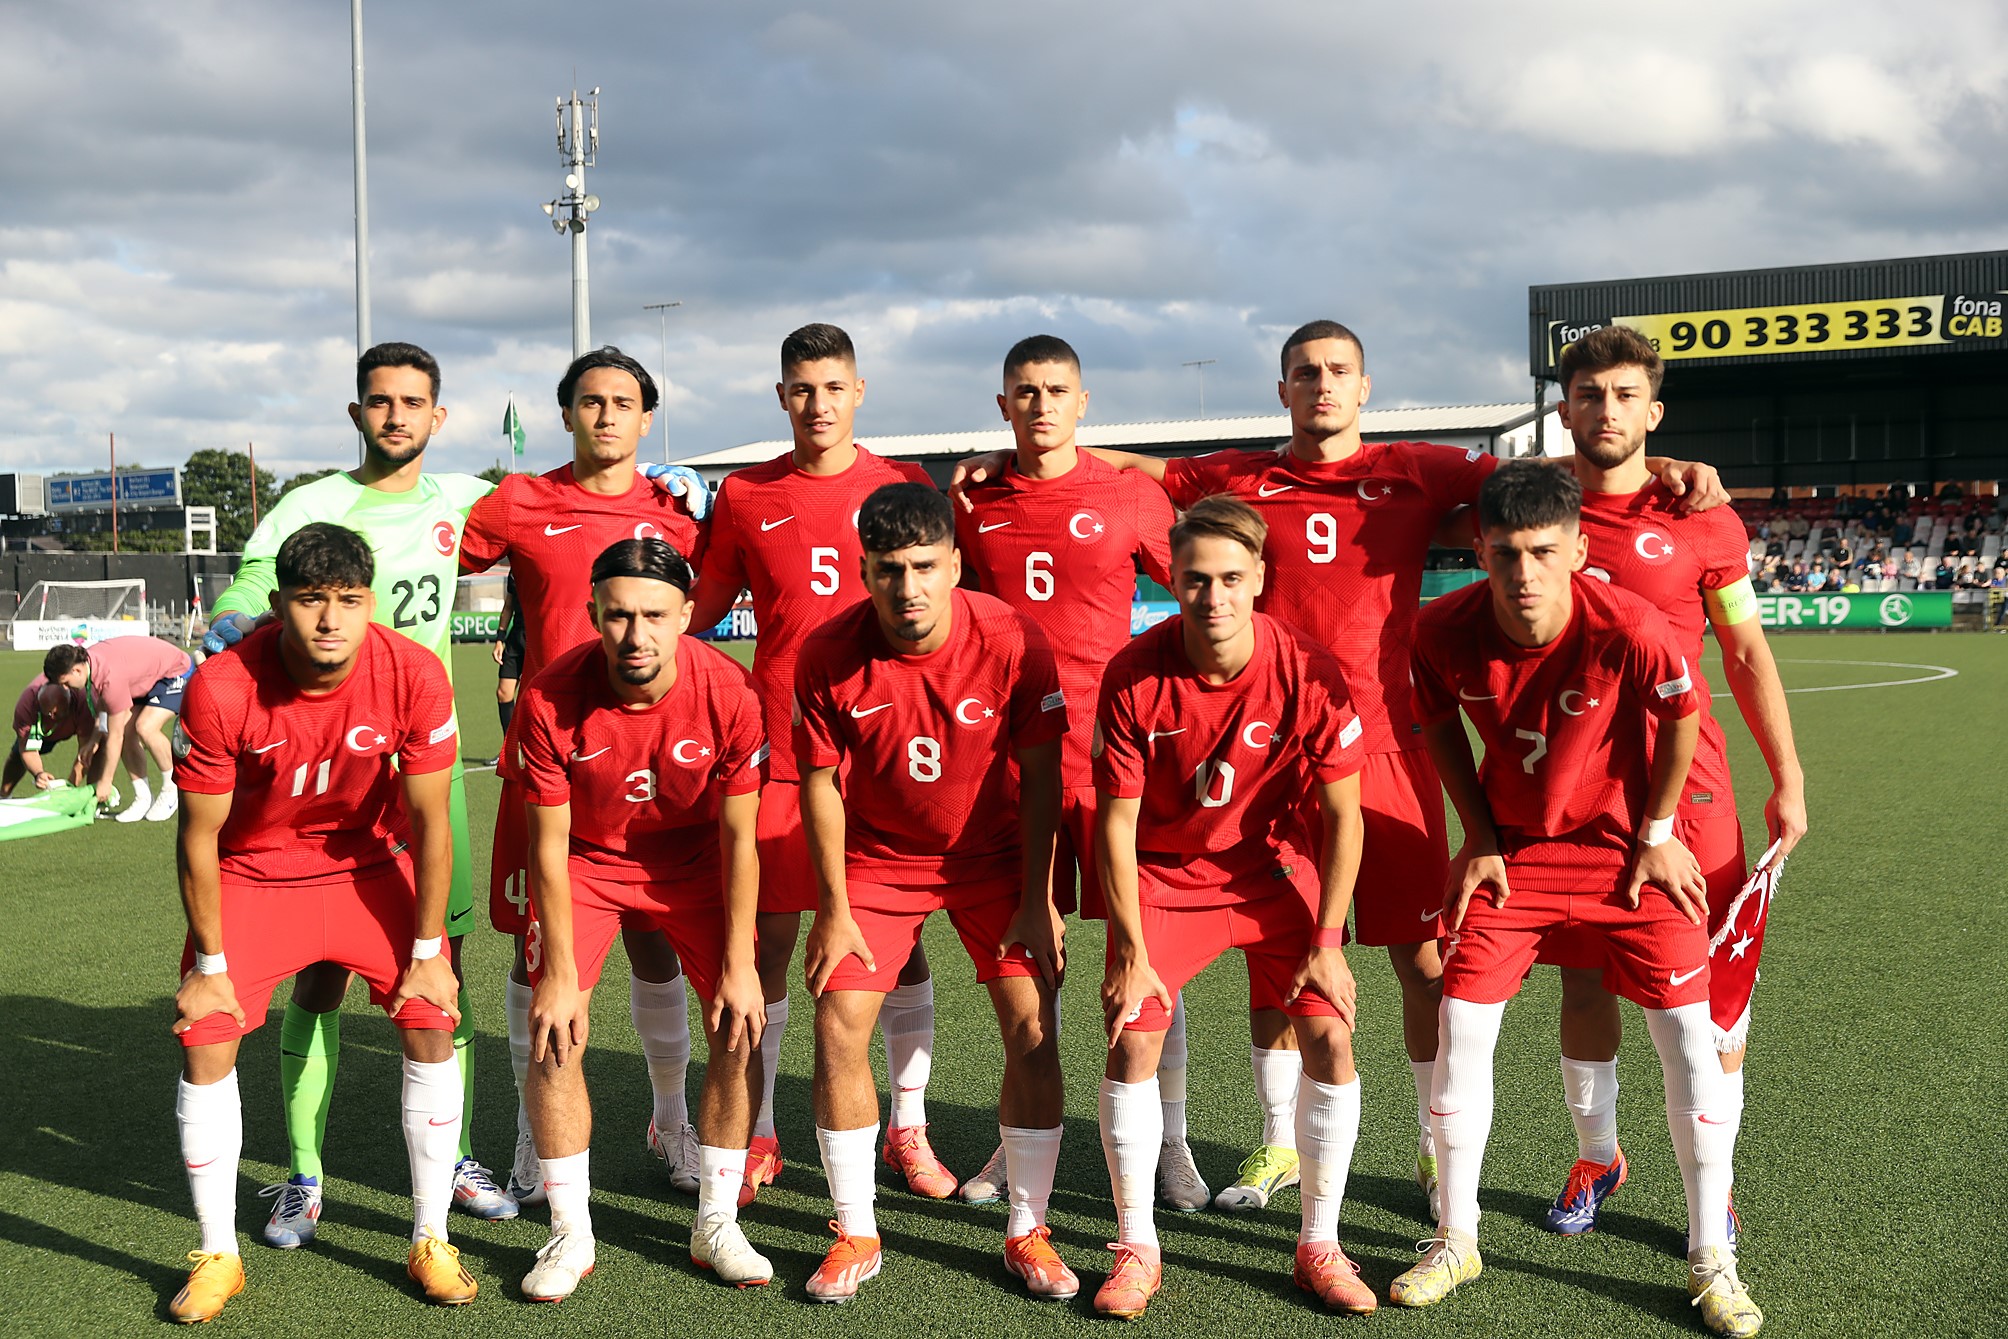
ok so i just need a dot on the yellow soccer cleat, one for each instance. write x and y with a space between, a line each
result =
217 1277
1447 1261
436 1268
1726 1308
1267 1170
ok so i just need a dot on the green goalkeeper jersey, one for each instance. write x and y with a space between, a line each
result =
415 536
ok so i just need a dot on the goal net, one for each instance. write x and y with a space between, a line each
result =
108 601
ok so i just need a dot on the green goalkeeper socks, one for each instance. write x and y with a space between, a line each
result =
463 1051
309 1046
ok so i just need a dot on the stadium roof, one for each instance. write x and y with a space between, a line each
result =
1430 423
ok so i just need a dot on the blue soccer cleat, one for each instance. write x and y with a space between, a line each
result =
1574 1211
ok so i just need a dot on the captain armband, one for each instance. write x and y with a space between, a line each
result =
1734 603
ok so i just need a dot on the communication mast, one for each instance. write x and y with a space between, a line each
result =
579 147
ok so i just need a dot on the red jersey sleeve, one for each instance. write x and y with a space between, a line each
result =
1450 475
430 742
724 559
485 537
1332 747
1666 682
1119 744
1435 700
1038 707
546 781
212 721
815 714
1727 559
1153 519
1190 478
742 760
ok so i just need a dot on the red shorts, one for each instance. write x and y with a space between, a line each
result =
690 915
1653 956
361 922
1074 857
787 879
890 918
1404 852
509 862
1717 844
1273 932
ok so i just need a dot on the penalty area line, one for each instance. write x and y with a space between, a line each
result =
1937 673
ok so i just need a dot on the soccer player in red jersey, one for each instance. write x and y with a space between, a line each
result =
45 715
550 527
641 753
1350 526
788 531
1695 569
318 756
1589 714
1058 536
928 737
1210 730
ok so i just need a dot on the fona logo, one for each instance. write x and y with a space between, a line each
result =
1895 610
80 633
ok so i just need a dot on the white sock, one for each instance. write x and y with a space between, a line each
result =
1699 1117
1424 1072
1461 1106
1171 1063
720 1173
1034 1157
906 1020
141 795
1132 1130
568 1182
770 1061
516 1010
432 1103
1277 1074
661 1013
211 1118
1328 1125
1591 1090
848 1156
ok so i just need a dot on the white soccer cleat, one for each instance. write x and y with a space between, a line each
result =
164 805
718 1244
296 1212
989 1185
1179 1184
136 811
526 1175
476 1194
561 1262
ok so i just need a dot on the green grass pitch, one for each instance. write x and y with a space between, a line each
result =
1869 1173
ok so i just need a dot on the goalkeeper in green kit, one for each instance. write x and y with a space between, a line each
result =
412 521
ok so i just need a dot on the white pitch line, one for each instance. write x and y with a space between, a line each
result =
1938 672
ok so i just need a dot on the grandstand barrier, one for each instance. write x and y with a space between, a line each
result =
1907 611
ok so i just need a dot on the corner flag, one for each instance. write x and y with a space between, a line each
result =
512 427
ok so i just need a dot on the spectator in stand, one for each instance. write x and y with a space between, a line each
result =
1970 577
1795 580
1816 578
1799 525
1780 498
1901 534
1951 491
1872 566
1955 544
1942 579
1844 557
1997 593
1912 568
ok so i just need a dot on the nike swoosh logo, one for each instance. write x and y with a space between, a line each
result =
994 525
1432 915
1266 491
268 748
198 1166
770 525
858 712
450 1120
1156 735
1434 1112
562 529
1477 697
1682 978
588 757
1705 1120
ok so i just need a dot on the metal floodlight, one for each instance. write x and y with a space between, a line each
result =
550 207
592 203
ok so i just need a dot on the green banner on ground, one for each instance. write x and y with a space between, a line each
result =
1896 609
47 811
476 625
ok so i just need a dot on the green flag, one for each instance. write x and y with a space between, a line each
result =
512 427
56 810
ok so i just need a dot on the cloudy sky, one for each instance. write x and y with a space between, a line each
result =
1181 180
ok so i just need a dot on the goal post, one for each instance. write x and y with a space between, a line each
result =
55 612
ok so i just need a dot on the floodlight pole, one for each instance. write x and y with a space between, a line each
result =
578 145
112 445
362 192
661 309
1201 364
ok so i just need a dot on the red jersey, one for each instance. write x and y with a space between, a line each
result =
1566 726
791 538
645 786
1642 542
314 792
1347 544
550 530
1064 552
926 744
1222 769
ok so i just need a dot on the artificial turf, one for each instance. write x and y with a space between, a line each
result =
1868 1175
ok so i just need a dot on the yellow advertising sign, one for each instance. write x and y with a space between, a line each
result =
1874 323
